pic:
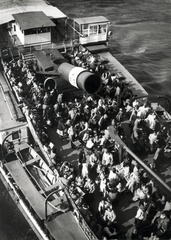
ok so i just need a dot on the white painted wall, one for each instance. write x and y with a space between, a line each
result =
37 38
20 33
32 38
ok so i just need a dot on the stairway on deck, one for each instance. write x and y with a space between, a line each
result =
28 56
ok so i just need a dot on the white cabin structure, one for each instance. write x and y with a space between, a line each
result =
32 28
92 29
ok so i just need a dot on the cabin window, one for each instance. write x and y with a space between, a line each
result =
14 28
15 135
93 29
85 30
102 28
43 30
30 31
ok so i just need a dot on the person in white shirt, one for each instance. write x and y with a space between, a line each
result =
71 135
90 143
135 104
92 160
136 130
152 141
103 182
134 179
89 186
151 121
142 111
139 217
113 176
107 158
109 216
84 170
102 207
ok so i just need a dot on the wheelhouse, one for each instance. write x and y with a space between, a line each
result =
92 29
32 27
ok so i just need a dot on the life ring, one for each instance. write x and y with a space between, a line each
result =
110 33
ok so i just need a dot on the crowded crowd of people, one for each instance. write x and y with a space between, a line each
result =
105 172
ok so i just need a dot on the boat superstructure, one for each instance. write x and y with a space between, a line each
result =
44 40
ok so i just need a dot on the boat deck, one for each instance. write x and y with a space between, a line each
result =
124 206
115 66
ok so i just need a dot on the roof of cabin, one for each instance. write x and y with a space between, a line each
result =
29 20
44 59
10 7
88 20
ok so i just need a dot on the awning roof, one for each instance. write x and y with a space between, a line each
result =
29 20
43 59
10 7
88 20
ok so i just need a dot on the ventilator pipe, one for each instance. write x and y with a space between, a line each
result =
80 78
50 82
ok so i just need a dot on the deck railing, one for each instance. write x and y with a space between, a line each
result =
86 229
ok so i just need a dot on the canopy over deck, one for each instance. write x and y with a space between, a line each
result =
10 7
30 20
89 20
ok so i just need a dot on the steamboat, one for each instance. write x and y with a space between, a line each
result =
66 56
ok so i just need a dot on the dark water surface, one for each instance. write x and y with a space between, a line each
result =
141 41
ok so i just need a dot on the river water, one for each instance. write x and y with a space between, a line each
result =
141 41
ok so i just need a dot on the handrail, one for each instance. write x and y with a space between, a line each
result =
36 138
86 229
46 201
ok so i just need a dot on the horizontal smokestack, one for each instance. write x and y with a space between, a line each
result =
80 78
